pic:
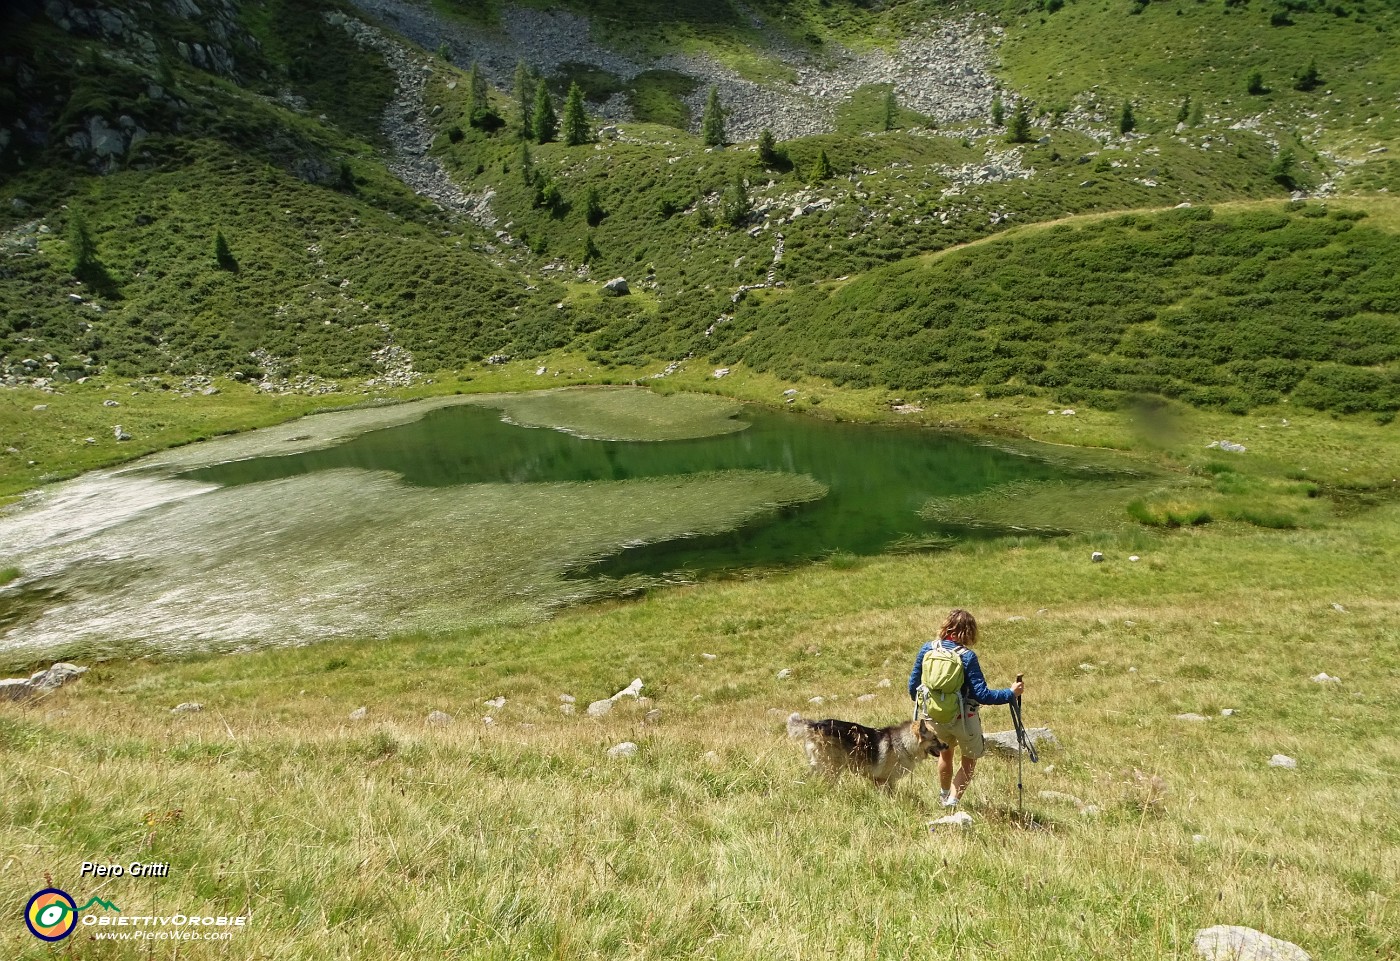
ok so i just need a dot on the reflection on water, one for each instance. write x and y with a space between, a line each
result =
877 478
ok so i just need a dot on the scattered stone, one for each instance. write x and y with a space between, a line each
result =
1325 678
625 749
1191 717
120 434
1096 557
818 700
652 717
567 699
707 657
488 720
866 698
784 674
1230 446
1228 942
1015 619
1339 608
189 707
721 372
1198 839
359 714
960 821
1087 668
1134 558
884 682
631 690
1227 712
1004 743
617 287
111 403
567 710
495 703
600 708
439 718
41 406
15 689
55 677
1283 761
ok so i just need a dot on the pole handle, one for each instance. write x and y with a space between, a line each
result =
1020 678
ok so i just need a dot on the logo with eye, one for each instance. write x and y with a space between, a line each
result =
51 915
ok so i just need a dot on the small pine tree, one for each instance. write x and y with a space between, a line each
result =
891 117
345 182
998 112
1254 83
593 212
81 245
576 130
737 205
1183 112
822 169
1197 114
545 121
1019 130
767 147
222 255
1126 121
1308 80
712 122
526 164
525 98
1284 169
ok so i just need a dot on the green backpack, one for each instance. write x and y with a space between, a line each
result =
939 697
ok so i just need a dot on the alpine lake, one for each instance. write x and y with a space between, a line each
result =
462 513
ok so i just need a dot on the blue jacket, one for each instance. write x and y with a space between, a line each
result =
974 690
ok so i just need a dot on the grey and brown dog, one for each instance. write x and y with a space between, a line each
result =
882 755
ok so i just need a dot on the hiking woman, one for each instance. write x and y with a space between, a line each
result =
964 730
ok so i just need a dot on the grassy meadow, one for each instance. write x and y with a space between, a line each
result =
390 837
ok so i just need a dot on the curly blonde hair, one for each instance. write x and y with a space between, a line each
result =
959 626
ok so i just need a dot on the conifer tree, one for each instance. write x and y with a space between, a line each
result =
81 244
737 205
593 212
524 98
1126 121
1183 113
1019 130
822 169
891 118
545 122
767 148
576 130
712 122
998 112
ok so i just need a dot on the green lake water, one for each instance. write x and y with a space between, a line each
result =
877 478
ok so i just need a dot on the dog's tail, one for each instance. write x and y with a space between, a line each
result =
797 725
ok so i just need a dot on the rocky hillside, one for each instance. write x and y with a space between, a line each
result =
298 193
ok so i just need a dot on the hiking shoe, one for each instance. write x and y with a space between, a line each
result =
950 800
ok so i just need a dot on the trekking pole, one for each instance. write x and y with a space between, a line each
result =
1020 749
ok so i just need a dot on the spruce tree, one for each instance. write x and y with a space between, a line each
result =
737 205
891 118
998 112
524 99
712 122
527 164
822 169
1019 130
1308 79
767 148
545 122
1126 121
81 245
593 212
576 129
1183 113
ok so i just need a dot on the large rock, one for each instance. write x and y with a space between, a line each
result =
40 682
1004 744
1229 942
617 287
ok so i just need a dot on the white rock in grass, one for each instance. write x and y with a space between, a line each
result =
600 708
625 749
784 674
1339 608
866 698
189 707
496 703
1325 678
631 690
1096 557
1229 942
439 718
818 700
1283 761
708 657
567 709
1227 712
957 822
884 682
566 699
713 759
1191 716
359 714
